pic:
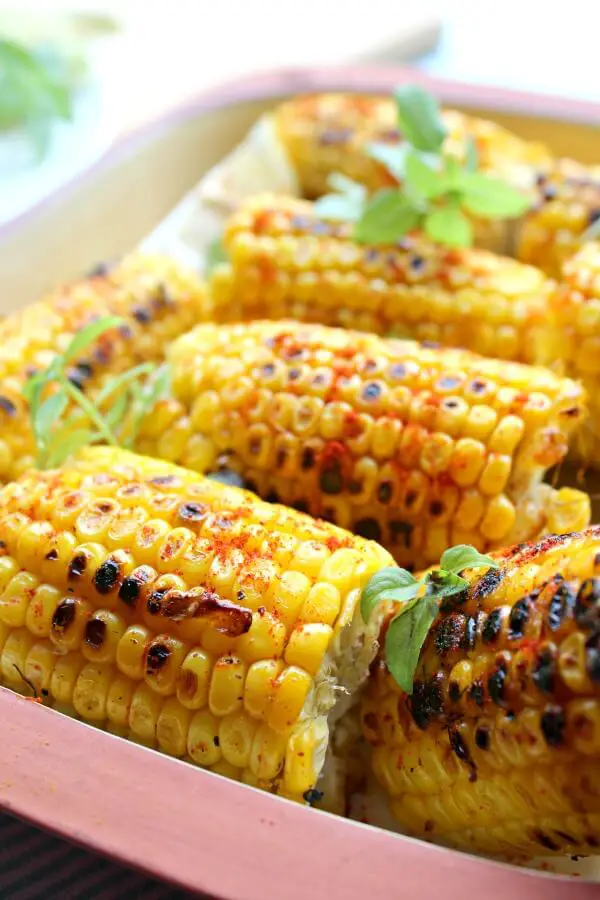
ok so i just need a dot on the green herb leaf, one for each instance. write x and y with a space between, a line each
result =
464 556
485 196
446 584
67 443
146 398
381 584
420 118
88 335
392 156
471 154
347 205
387 217
424 179
405 636
215 255
449 226
49 412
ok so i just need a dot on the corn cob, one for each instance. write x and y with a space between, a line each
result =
572 339
568 202
287 262
325 133
157 301
185 614
497 749
417 448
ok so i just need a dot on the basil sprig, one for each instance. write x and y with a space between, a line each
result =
437 191
115 415
410 626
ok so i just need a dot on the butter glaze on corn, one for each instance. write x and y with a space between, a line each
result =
415 447
184 614
498 749
157 300
326 133
287 262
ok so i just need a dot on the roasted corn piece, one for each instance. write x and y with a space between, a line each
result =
417 448
326 133
285 261
157 300
183 613
497 749
568 204
572 344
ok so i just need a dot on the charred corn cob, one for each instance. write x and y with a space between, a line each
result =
417 448
157 300
185 614
325 133
497 748
287 262
567 203
572 343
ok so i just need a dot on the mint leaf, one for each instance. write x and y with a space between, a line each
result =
423 178
88 335
449 226
405 636
392 156
380 585
387 217
215 255
420 118
485 196
464 556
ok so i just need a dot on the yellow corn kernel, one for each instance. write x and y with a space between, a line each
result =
193 680
103 631
506 435
291 690
259 688
16 597
164 657
226 770
39 666
145 709
172 727
322 605
8 569
91 691
16 648
148 541
495 475
54 567
498 519
267 756
307 646
131 651
341 568
306 754
68 623
584 720
118 700
572 663
467 461
289 595
38 617
93 522
64 677
226 691
203 738
236 736
264 640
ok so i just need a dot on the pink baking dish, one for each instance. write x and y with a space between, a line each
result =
177 822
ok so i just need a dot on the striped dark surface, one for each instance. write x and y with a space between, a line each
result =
38 866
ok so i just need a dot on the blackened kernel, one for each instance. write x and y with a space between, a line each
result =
492 627
129 591
454 692
281 458
331 481
518 619
470 634
51 555
458 744
371 391
142 315
216 741
192 512
496 683
229 477
164 480
587 605
312 796
384 492
544 840
64 614
107 576
95 633
416 263
308 458
562 601
544 671
354 487
553 725
477 693
487 584
301 506
436 508
294 374
449 632
478 385
157 657
272 496
368 528
154 603
426 701
482 738
77 566
268 370
410 499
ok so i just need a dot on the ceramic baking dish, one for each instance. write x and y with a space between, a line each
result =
186 825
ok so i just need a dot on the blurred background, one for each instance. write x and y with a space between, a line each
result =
74 76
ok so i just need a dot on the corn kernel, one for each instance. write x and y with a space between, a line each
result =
193 680
307 646
64 676
236 737
172 727
118 700
39 666
144 712
103 631
131 652
16 598
498 519
91 691
203 738
306 755
260 686
291 691
226 691
268 753
264 640
322 605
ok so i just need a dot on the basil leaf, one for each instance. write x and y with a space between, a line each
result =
387 217
88 335
464 556
446 584
424 179
420 118
381 583
215 255
392 156
485 196
449 226
405 636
